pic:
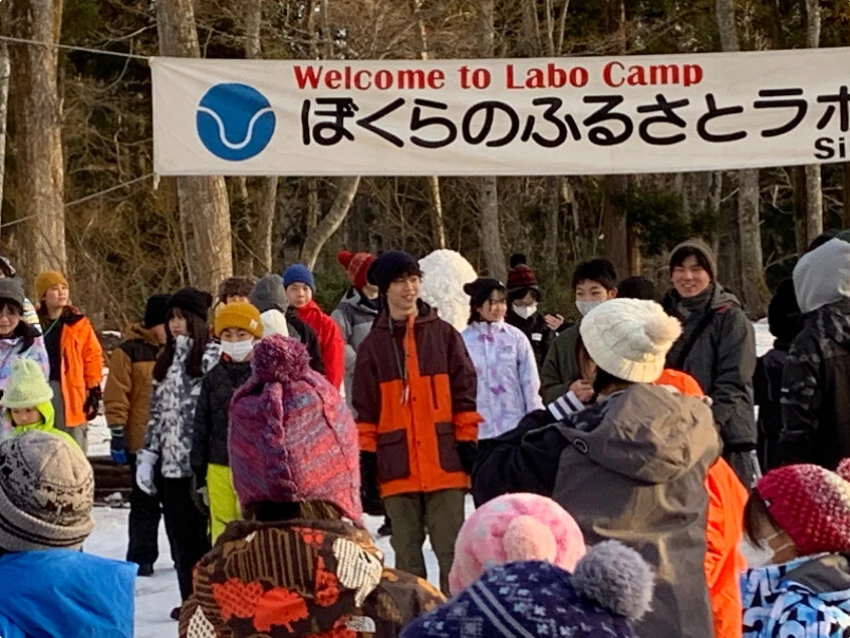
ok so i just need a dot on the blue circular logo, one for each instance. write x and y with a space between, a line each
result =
235 121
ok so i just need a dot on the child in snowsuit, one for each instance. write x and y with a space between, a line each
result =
49 587
178 373
800 514
300 564
27 401
300 287
239 327
508 385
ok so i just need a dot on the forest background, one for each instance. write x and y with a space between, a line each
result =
77 190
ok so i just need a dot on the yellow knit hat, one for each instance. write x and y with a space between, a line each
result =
46 280
239 315
27 386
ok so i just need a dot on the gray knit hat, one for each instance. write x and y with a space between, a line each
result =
46 493
11 289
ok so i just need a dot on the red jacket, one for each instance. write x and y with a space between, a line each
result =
330 341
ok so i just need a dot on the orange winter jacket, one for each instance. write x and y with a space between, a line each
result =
415 426
726 500
82 364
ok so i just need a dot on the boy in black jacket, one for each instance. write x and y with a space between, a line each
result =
239 327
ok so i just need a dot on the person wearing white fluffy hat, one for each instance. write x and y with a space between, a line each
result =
631 467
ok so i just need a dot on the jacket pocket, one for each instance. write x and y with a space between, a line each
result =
393 456
447 446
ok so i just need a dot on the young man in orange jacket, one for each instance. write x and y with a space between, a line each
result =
414 396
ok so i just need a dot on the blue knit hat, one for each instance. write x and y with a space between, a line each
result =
610 590
298 274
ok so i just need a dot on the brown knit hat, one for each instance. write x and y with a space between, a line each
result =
46 280
521 275
701 247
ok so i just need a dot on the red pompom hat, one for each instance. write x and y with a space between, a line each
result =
356 266
811 504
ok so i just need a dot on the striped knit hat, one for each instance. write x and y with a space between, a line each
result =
356 266
292 438
46 493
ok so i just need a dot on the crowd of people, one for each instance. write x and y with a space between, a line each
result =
618 464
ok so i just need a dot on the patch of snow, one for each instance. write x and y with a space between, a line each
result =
99 437
764 340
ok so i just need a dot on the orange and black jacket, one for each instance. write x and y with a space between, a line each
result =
414 397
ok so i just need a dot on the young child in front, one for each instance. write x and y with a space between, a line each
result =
27 401
239 326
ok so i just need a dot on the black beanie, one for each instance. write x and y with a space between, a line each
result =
388 266
192 300
479 290
156 309
783 315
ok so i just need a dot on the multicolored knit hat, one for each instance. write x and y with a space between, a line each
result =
46 495
610 589
515 527
356 266
520 275
811 504
292 438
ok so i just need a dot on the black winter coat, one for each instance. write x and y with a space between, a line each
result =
209 436
538 333
722 359
767 385
816 390
298 329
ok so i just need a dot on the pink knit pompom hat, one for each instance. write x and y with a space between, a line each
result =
511 528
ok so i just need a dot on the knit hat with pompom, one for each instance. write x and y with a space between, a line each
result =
515 527
630 338
610 589
292 438
812 506
356 266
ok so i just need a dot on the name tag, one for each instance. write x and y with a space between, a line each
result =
537 336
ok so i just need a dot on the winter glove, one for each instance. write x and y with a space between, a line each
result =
201 496
118 445
369 493
145 469
92 404
468 452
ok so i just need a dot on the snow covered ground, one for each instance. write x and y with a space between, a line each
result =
156 596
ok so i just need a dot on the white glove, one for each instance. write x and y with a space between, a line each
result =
145 463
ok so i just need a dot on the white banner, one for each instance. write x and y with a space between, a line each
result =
559 116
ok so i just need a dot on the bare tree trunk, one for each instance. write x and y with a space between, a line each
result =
204 207
264 206
38 117
488 189
5 74
754 290
814 193
553 226
438 227
614 223
316 238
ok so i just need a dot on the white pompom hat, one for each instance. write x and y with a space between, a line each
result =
630 338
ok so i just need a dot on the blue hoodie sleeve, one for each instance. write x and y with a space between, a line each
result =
10 630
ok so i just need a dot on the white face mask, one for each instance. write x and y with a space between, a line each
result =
764 555
237 350
525 311
585 307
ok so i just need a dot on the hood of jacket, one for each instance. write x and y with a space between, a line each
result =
303 576
48 415
426 314
138 331
646 433
66 593
713 297
822 276
269 294
358 300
